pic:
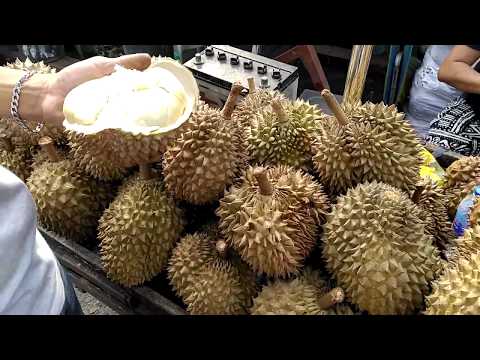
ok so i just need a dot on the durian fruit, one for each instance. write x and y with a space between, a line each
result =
299 296
272 218
93 163
467 244
366 143
208 154
16 159
461 178
376 247
432 202
69 203
208 278
255 101
10 128
138 230
128 118
283 134
457 290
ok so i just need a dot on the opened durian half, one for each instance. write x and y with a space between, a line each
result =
209 278
366 142
272 218
128 117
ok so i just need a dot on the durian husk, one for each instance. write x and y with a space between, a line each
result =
210 282
138 230
460 179
475 213
297 296
376 247
253 103
18 160
285 138
205 158
28 65
434 206
466 245
457 290
69 203
273 233
375 143
93 162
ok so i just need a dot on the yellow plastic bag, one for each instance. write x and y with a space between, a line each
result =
430 168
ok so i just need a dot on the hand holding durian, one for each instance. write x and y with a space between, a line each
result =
265 164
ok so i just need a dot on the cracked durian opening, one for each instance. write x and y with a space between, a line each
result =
154 101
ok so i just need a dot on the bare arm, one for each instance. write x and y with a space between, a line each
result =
457 69
42 95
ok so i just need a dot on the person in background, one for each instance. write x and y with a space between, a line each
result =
428 95
32 282
457 126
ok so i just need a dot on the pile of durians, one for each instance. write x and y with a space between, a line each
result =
307 213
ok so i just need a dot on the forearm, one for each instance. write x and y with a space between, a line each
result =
32 95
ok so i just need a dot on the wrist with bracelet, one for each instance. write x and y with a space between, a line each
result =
15 104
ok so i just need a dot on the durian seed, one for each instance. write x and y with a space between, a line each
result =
334 106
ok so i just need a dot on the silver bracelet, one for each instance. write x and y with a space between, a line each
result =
15 102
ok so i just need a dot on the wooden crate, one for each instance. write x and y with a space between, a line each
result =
87 274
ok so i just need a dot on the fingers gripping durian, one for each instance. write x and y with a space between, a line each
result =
366 143
209 278
272 218
208 154
376 247
69 203
139 229
283 134
128 117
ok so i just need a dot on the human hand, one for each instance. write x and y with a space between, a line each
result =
59 85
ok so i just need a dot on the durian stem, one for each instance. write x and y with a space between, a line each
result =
222 248
335 107
8 144
251 85
145 171
47 145
278 108
416 195
331 298
232 100
264 184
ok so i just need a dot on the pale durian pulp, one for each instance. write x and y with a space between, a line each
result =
130 100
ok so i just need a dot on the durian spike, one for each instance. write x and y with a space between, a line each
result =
222 248
232 100
334 106
264 184
278 108
251 85
8 144
146 171
46 143
331 298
